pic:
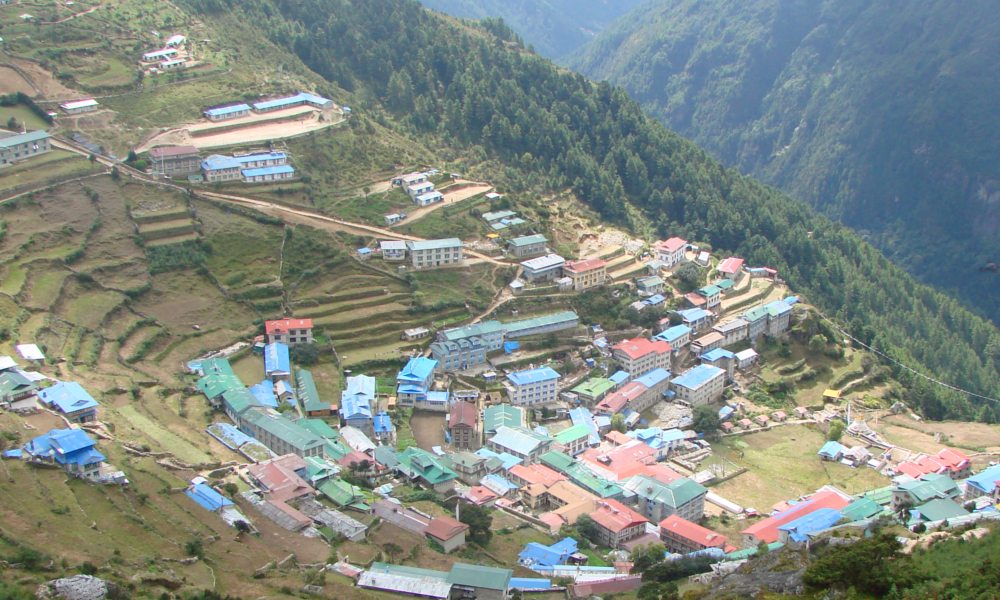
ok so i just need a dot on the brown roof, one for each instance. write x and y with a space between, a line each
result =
278 478
445 528
463 414
616 517
168 151
582 266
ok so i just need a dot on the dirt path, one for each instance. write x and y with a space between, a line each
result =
449 198
252 133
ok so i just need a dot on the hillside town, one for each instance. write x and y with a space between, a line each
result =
553 449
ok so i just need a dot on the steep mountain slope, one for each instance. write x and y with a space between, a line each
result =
539 128
878 113
554 27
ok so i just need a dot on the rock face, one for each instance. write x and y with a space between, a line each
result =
779 572
81 587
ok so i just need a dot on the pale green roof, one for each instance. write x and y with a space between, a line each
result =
581 476
23 138
674 494
934 485
479 329
285 430
343 493
560 317
219 377
319 427
481 577
527 240
861 509
502 415
14 383
560 461
573 433
434 244
426 465
404 570
595 386
305 390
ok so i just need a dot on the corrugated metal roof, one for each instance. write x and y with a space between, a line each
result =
227 110
434 244
23 138
698 376
275 170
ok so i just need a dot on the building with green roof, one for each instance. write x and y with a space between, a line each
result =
344 494
237 404
593 390
15 387
583 477
863 508
484 583
428 469
576 439
657 500
282 436
305 391
541 325
218 377
929 487
558 461
742 554
501 415
939 509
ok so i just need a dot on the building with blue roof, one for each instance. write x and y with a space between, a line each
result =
207 497
582 416
543 268
983 483
277 364
703 384
797 531
356 404
725 412
654 300
779 316
71 449
506 460
677 336
414 382
498 485
223 113
664 441
698 319
718 357
221 168
300 99
529 584
264 393
536 554
832 451
384 431
532 387
267 174
522 443
70 399
619 378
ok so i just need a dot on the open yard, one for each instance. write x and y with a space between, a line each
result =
428 428
784 465
57 163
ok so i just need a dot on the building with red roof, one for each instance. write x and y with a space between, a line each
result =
586 273
616 403
671 252
289 331
480 495
683 537
948 462
641 355
767 530
617 523
731 267
447 532
612 463
657 471
463 425
279 480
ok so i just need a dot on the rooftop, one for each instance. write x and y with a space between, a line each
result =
543 262
693 532
672 245
273 170
227 110
276 359
540 474
445 528
616 517
717 354
168 151
698 376
417 370
518 439
480 577
674 494
434 244
300 97
23 138
527 240
731 265
463 414
595 386
68 396
573 433
640 347
500 415
585 265
533 376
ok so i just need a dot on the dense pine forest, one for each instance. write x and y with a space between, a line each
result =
878 113
480 90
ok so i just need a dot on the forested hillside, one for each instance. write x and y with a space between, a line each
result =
554 27
880 113
543 128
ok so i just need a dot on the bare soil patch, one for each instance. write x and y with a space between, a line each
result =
428 428
11 82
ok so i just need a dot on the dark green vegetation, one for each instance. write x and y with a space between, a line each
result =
543 129
879 114
554 27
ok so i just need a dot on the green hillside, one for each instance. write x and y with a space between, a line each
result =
878 113
554 27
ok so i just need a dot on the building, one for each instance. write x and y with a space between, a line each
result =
393 250
617 523
575 440
175 160
224 113
930 487
983 483
71 400
529 388
289 331
671 252
585 274
172 65
658 500
300 99
636 396
458 349
939 510
428 198
17 392
77 107
281 478
20 147
70 449
527 245
543 268
559 321
281 435
356 404
414 382
384 430
703 384
520 442
268 174
469 467
501 415
435 253
480 583
308 396
831 451
277 364
696 319
677 336
723 359
218 168
746 358
708 342
734 330
463 425
447 532
712 295
684 537
731 268
651 285
798 531
428 469
767 530
593 390
948 462
779 315
641 355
